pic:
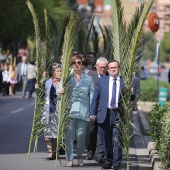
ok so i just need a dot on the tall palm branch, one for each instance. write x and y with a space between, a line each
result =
42 59
59 31
126 44
68 45
95 40
118 30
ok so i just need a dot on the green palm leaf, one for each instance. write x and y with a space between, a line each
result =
119 29
68 45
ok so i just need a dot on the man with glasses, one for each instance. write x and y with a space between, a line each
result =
107 101
93 141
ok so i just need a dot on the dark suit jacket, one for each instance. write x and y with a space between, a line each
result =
100 99
95 77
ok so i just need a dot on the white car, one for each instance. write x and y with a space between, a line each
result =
154 69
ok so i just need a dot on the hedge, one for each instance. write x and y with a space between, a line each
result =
160 123
149 89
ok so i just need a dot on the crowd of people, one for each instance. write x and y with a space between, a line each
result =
96 89
23 75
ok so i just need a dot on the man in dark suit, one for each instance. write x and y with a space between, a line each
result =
105 107
93 141
135 91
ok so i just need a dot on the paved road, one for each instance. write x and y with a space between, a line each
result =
16 116
164 75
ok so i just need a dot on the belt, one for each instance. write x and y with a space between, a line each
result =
113 109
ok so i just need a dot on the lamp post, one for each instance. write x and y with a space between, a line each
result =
154 24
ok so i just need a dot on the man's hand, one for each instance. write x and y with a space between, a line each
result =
93 118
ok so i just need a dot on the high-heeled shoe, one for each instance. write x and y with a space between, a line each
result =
69 164
80 162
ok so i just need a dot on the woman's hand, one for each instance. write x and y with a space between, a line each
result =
44 74
36 86
61 91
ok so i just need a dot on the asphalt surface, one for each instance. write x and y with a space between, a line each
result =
16 115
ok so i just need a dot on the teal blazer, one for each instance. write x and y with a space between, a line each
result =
81 97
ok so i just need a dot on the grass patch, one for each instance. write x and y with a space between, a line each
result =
149 89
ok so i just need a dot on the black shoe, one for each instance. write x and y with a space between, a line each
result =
89 156
115 168
50 158
61 152
100 160
106 166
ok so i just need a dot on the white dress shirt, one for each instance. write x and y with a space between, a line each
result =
23 69
111 80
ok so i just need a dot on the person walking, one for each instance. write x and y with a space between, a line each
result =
31 76
93 141
53 91
81 93
105 107
21 74
5 80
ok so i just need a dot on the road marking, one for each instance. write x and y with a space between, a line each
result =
18 110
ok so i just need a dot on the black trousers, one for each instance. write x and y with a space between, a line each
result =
93 140
5 88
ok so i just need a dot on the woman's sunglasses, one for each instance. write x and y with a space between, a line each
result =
77 63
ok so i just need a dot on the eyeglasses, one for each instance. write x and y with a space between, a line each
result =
77 63
102 68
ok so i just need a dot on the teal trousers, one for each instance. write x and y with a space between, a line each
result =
76 129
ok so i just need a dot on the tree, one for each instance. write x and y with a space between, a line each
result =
149 42
165 47
16 21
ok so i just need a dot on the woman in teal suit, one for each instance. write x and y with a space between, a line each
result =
81 93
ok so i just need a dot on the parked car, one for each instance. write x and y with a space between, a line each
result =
154 69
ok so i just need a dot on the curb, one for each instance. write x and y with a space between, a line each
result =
145 128
156 164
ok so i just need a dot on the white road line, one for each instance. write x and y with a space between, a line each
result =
18 110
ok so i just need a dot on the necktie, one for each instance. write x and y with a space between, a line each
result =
113 99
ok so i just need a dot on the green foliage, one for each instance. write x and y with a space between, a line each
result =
68 45
165 42
127 49
42 62
149 45
160 123
16 20
149 89
165 53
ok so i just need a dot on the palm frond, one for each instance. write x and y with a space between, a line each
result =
37 125
88 36
119 29
68 45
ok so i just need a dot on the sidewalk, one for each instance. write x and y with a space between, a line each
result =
146 129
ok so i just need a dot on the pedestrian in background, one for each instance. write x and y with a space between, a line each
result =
21 74
31 76
12 80
135 91
5 80
169 76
